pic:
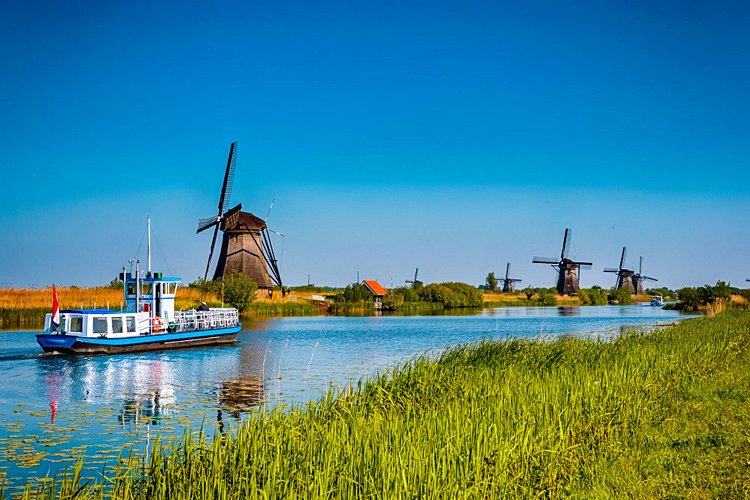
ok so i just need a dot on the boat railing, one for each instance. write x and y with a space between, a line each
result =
206 320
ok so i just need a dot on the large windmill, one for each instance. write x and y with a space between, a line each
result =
567 268
246 244
508 286
624 276
639 278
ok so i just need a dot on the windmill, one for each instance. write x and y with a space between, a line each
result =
415 280
508 286
624 276
639 278
246 243
567 269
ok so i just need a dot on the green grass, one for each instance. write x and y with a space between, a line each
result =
281 309
664 414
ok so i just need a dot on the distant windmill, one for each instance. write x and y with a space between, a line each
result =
624 276
639 278
246 245
567 269
415 280
508 286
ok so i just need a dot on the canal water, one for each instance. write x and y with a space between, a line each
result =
57 408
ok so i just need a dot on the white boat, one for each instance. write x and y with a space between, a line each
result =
657 300
148 322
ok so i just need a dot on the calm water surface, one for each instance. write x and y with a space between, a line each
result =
56 408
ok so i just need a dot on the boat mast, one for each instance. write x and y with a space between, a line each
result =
148 247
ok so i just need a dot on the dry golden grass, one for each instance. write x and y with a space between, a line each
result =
102 297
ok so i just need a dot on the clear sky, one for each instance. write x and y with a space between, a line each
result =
452 136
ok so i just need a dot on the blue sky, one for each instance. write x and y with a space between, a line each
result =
453 136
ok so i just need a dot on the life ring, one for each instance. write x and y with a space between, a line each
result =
157 324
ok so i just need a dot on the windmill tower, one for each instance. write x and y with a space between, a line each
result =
624 276
567 269
508 286
639 278
415 280
246 244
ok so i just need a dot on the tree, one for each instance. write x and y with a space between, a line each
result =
491 282
239 290
621 295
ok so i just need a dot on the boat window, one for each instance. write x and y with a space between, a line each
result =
100 325
146 288
76 324
131 324
116 325
131 288
172 288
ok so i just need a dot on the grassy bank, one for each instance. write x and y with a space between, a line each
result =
663 414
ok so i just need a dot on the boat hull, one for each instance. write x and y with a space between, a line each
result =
69 344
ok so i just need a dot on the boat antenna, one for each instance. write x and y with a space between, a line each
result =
148 247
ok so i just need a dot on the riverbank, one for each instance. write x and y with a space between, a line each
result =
651 415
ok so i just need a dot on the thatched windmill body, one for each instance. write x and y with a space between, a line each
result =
639 278
246 244
508 282
624 276
567 268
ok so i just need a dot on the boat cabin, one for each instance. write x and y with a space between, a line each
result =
153 294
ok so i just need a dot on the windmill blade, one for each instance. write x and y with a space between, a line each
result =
204 224
640 264
622 258
416 272
584 265
276 232
515 280
544 260
566 243
611 270
226 188
211 252
269 210
507 271
649 278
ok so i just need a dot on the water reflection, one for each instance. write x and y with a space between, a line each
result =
239 395
569 311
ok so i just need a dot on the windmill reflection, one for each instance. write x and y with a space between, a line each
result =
239 395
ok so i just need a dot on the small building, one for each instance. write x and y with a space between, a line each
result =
377 291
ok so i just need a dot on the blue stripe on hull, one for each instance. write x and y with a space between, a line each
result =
91 345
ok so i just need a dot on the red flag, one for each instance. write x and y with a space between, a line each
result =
55 323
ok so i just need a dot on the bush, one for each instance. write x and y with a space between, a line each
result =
548 296
621 295
594 296
239 290
452 295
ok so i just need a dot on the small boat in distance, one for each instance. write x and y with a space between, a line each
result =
657 300
149 321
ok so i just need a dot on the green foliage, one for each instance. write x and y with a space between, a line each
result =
655 415
529 292
354 293
691 298
393 301
239 290
621 295
594 296
115 284
663 291
491 282
206 286
452 295
547 296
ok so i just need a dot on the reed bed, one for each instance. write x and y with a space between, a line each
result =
646 415
19 307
